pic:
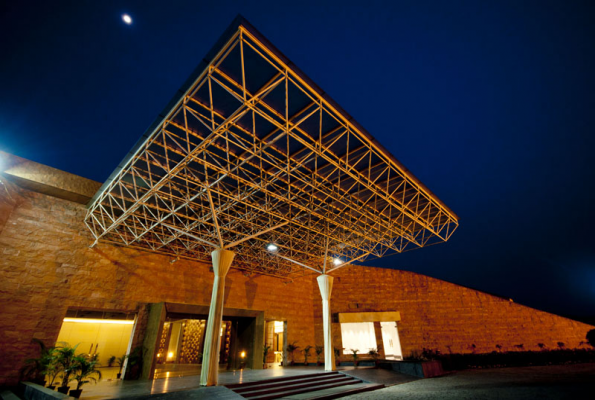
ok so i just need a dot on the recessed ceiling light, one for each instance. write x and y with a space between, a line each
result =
272 247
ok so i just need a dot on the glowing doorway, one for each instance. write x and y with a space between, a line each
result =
390 339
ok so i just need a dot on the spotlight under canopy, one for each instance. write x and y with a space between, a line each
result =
272 247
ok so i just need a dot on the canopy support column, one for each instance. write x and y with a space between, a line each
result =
325 283
210 361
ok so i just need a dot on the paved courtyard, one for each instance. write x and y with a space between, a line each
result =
548 382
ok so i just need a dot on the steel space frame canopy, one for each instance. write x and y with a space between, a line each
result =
252 153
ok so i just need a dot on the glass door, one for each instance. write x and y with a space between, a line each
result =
390 338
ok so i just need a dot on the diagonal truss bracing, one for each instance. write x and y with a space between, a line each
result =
252 154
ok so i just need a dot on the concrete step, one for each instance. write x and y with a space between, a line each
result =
286 390
337 392
293 384
330 385
281 379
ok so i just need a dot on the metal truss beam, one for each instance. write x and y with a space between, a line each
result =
253 153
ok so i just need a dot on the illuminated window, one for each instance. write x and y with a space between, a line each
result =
358 335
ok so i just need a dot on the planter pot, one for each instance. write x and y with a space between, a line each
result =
305 364
52 387
421 369
432 368
318 363
119 375
63 389
76 393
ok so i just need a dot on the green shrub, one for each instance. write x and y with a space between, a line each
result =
497 359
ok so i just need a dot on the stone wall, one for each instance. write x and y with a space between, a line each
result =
47 267
443 316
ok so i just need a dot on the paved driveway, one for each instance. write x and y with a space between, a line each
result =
549 382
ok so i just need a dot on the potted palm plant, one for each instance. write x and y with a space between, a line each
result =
36 369
318 350
291 348
111 361
375 354
52 372
83 371
337 356
354 355
306 352
64 358
265 352
120 361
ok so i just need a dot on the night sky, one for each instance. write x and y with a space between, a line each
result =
489 103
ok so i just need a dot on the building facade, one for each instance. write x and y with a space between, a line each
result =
48 273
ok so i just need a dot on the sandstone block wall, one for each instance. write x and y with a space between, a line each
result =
46 267
446 317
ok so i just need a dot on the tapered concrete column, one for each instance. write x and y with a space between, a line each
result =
210 360
325 283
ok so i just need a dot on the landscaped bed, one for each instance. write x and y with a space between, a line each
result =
515 359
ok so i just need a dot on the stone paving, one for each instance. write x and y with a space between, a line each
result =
382 376
547 382
187 385
182 387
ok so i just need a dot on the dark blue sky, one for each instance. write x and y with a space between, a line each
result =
489 103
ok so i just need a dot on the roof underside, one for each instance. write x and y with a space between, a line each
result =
253 153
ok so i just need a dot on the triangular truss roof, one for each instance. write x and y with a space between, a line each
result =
251 152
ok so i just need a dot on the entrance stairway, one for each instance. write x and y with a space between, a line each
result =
326 385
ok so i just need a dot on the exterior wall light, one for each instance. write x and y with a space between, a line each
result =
243 354
272 247
337 261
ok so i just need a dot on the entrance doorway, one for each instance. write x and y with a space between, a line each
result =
180 329
276 341
180 347
390 339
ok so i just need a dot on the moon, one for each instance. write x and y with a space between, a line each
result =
127 19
